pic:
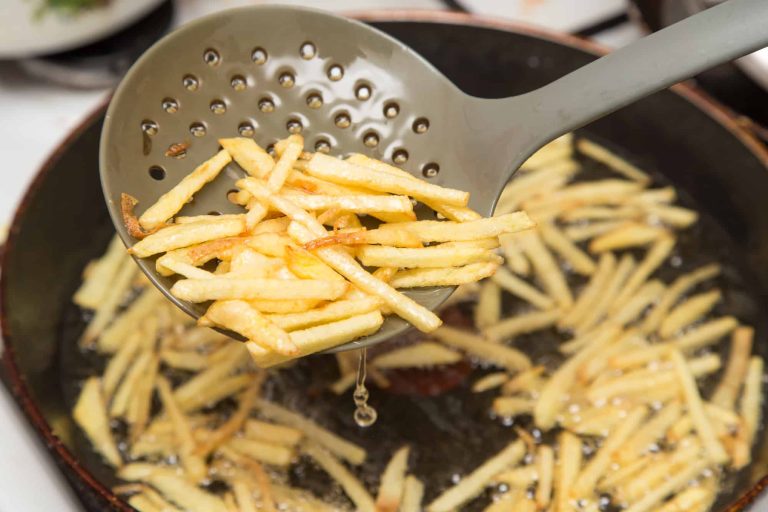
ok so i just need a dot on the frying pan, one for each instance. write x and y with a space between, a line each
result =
62 221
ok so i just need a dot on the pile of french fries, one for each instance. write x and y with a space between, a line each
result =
626 405
284 281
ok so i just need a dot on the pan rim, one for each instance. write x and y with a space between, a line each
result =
12 375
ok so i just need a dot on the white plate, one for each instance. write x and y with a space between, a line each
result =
23 35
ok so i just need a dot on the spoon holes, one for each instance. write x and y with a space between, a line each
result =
335 72
400 156
190 82
211 57
259 55
218 106
307 50
246 129
294 126
157 173
149 127
170 105
391 110
197 129
363 91
266 105
430 170
371 139
342 120
421 125
323 145
238 83
314 100
286 79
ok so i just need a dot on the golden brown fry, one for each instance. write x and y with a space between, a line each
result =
655 256
236 288
421 354
271 433
235 422
627 235
240 317
688 312
579 232
579 261
91 415
546 269
351 485
648 434
521 324
425 257
522 289
413 494
392 484
97 284
120 402
752 398
494 353
193 464
117 366
105 312
567 469
545 468
614 162
184 235
511 406
273 454
607 296
675 482
474 483
516 260
490 381
249 155
451 276
738 362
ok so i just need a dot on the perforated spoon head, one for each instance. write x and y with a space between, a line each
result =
266 72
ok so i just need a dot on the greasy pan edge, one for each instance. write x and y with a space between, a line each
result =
11 373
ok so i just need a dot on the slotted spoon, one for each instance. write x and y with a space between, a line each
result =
267 71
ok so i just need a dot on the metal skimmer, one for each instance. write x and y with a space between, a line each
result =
268 71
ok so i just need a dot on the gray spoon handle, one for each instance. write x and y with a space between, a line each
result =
717 35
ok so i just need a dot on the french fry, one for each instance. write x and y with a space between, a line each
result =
190 361
655 256
338 171
490 381
528 186
143 504
352 487
249 155
330 312
121 400
172 201
193 464
654 196
546 269
648 294
579 261
244 496
318 338
421 354
522 289
97 285
515 259
284 307
312 431
715 451
494 353
474 483
137 415
284 165
228 359
627 235
597 465
524 382
413 494
609 191
661 466
392 484
592 292
355 204
738 362
606 298
239 316
521 477
675 482
567 469
273 454
615 163
558 150
579 233
545 468
649 433
521 324
685 500
511 406
605 333
488 308
105 312
343 263
752 398
676 290
235 422
593 213
627 471
235 288
226 387
705 334
306 265
190 497
91 415
272 433
185 235
120 363
688 312
176 266
426 257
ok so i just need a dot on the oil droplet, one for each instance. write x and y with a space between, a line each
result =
365 415
400 156
430 170
218 107
238 83
323 146
259 56
307 51
197 129
371 140
314 100
287 80
335 73
342 120
190 82
211 57
294 126
421 125
266 105
149 127
246 130
363 92
170 105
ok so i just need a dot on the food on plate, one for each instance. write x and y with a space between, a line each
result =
580 375
278 255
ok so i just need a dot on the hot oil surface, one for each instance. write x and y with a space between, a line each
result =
448 427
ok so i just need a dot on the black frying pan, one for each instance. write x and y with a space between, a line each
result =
62 222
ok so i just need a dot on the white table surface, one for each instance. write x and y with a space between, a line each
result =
35 117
